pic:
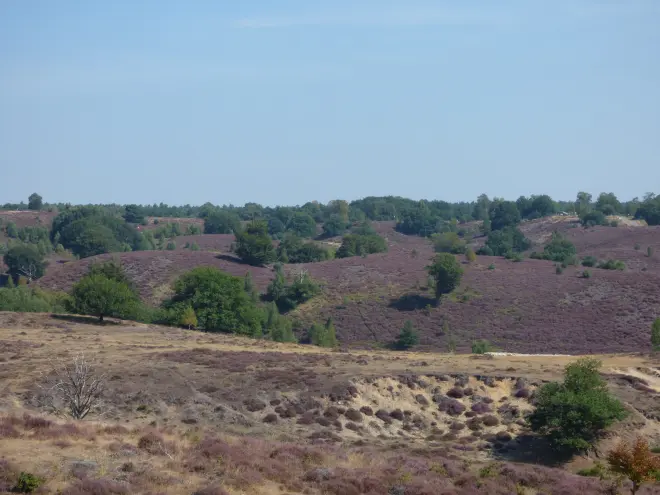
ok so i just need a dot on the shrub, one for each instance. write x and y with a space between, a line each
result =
558 249
408 337
446 272
480 347
586 274
221 222
323 335
27 483
590 261
504 241
593 218
171 246
649 252
612 265
294 250
634 461
491 266
28 300
448 242
470 255
361 245
288 295
655 335
572 414
558 269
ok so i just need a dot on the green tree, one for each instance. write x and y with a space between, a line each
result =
221 222
583 203
302 225
446 272
559 249
655 335
24 260
470 255
188 318
100 296
11 230
334 226
608 204
219 301
572 414
503 214
35 202
505 242
448 242
592 218
254 246
323 335
408 337
134 214
249 287
294 249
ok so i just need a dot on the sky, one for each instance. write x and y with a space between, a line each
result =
288 101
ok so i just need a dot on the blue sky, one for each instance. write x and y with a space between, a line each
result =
287 101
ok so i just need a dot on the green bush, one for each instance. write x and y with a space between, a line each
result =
589 261
448 242
507 240
573 414
491 266
612 265
481 347
361 245
23 299
559 249
254 246
323 335
586 274
593 218
408 337
27 483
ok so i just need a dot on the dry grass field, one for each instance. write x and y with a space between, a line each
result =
188 412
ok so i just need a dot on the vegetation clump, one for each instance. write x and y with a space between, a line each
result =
447 273
408 337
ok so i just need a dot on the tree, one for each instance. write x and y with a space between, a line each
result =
25 260
133 214
11 230
249 287
98 295
503 214
277 327
559 249
221 222
655 335
35 202
408 337
323 335
446 272
334 226
302 225
288 296
254 246
189 318
583 203
219 301
608 204
572 414
635 461
448 242
77 386
504 242
470 255
649 210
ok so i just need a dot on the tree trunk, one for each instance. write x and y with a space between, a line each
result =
101 318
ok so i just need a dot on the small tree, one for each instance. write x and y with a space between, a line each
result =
100 296
408 337
76 386
470 255
635 461
655 335
572 414
35 202
189 318
254 246
480 347
446 272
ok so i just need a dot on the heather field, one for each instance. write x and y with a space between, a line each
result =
518 306
185 412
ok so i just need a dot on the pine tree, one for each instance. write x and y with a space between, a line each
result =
407 338
330 339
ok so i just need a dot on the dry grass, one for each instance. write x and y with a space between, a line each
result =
184 411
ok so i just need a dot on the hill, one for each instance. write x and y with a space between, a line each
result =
184 412
518 306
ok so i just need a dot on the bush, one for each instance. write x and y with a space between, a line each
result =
219 301
586 274
408 337
446 272
573 414
448 242
593 218
294 250
589 261
470 255
287 295
361 245
24 299
27 483
221 222
481 347
612 265
559 249
502 242
655 335
323 335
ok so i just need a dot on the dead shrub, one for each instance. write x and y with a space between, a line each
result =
154 443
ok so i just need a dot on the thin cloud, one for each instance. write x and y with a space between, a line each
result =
408 17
